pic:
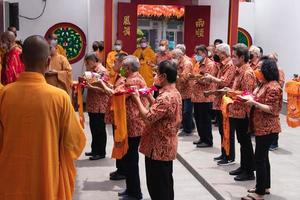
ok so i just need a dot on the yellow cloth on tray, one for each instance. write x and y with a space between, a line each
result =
226 126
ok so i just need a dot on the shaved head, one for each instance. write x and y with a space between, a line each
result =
8 39
36 53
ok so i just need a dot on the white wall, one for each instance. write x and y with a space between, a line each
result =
276 29
56 11
247 17
219 18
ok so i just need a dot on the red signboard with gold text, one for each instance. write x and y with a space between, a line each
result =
196 27
127 26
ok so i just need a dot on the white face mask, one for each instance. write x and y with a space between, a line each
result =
118 47
162 48
54 42
144 45
209 54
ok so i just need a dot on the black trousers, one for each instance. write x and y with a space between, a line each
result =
240 126
159 176
131 163
219 117
263 169
202 113
98 130
119 162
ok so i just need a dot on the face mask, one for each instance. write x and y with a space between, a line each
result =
259 75
209 54
162 48
157 82
251 56
198 58
122 71
217 58
54 42
118 47
144 45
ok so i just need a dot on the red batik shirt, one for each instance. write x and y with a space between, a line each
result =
13 66
159 141
245 80
226 74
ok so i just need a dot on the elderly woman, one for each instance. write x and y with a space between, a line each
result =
254 56
266 124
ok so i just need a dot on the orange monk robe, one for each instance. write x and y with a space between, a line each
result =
292 88
61 51
226 125
110 61
39 143
63 78
146 56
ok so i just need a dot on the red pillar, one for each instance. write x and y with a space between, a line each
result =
108 25
233 22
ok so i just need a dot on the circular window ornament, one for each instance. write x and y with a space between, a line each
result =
71 38
244 37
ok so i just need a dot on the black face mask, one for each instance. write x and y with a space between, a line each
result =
251 56
101 48
217 58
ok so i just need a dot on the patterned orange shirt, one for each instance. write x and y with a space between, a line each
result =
254 65
226 74
135 123
198 87
264 123
162 57
97 101
184 86
245 80
159 140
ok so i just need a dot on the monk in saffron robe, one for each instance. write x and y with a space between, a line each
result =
60 71
12 66
39 143
53 41
112 56
146 56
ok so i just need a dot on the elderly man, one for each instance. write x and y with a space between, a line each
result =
12 64
135 127
254 56
40 135
147 57
110 60
159 141
184 86
245 80
182 47
203 104
224 78
163 52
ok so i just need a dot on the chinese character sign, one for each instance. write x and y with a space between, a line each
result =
199 28
126 26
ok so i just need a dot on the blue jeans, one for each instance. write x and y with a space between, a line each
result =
187 116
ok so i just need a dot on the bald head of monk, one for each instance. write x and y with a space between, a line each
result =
36 54
7 40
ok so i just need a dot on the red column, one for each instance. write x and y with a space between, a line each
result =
233 22
108 25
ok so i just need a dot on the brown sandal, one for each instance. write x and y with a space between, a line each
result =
253 190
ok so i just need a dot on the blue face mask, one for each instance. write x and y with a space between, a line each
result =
198 58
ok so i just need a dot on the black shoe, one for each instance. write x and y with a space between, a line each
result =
127 197
117 177
245 177
197 142
225 162
203 145
96 157
219 158
236 172
123 193
113 173
88 154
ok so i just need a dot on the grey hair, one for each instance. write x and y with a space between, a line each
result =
255 49
177 52
182 47
133 62
274 56
224 48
